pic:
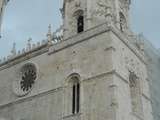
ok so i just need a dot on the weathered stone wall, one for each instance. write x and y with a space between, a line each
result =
126 58
102 56
47 100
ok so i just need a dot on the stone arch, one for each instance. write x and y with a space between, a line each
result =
74 77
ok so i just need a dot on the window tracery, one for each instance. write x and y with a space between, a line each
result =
28 77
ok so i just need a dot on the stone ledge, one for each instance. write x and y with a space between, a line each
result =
72 116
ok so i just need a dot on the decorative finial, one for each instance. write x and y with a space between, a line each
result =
13 51
49 35
29 45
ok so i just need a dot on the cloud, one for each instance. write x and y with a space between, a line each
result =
28 18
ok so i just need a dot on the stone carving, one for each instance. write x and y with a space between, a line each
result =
133 66
125 4
103 9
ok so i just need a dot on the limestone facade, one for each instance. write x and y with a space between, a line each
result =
97 74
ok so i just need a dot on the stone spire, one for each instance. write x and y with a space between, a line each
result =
86 14
29 45
13 51
49 35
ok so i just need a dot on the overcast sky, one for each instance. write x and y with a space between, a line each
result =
30 18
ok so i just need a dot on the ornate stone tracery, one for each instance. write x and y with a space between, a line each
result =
26 77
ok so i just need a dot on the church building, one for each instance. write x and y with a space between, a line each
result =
95 69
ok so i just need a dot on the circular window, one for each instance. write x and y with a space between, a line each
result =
26 78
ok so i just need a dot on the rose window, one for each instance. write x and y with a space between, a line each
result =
28 78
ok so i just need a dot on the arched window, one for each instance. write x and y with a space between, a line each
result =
75 95
135 93
80 24
122 21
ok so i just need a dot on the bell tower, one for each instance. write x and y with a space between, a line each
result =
3 4
81 15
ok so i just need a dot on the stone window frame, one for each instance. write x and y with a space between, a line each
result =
70 82
16 84
27 70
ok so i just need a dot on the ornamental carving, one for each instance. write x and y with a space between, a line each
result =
133 66
102 9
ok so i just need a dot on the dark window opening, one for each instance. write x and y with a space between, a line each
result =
80 24
73 99
76 98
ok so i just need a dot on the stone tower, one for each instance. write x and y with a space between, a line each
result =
123 93
95 12
2 7
92 72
